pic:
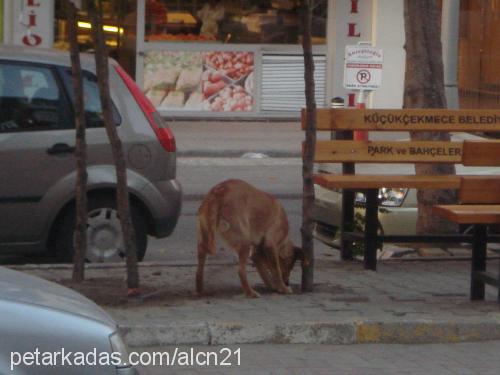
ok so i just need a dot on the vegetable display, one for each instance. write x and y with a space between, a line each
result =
200 81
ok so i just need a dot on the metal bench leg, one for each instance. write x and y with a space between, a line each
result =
478 261
347 224
371 227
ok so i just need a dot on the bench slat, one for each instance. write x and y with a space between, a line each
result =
407 119
480 190
388 151
481 153
333 181
469 213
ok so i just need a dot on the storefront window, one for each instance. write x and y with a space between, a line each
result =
238 22
479 57
119 19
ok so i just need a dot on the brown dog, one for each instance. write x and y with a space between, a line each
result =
254 224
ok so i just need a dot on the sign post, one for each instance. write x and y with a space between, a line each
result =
362 72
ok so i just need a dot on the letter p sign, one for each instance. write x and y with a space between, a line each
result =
363 76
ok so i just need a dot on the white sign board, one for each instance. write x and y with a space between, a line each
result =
33 23
363 68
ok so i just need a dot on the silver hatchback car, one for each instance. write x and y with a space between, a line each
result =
37 163
45 326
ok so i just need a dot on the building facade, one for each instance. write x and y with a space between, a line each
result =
244 58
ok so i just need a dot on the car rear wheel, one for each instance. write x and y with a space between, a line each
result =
104 234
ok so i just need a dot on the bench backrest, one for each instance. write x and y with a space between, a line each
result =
468 153
476 189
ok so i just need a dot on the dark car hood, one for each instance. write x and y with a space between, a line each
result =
22 288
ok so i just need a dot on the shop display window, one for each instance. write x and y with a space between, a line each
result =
215 81
237 22
119 26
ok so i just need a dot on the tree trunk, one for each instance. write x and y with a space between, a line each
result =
308 153
80 243
424 88
122 195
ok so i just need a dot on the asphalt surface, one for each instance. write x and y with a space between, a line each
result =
375 359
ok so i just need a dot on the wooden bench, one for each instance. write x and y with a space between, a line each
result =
343 149
479 206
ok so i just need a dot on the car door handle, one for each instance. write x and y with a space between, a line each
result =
60 148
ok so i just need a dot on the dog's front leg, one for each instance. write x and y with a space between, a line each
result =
276 271
244 253
260 262
265 276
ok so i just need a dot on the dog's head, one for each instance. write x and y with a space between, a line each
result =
287 261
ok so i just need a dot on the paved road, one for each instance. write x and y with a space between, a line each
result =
435 359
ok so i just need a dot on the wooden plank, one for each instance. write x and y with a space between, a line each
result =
331 181
322 117
480 190
481 153
388 151
408 119
469 213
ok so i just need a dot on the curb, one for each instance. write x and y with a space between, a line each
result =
281 196
331 333
236 153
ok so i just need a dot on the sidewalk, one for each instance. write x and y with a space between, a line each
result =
404 302
209 138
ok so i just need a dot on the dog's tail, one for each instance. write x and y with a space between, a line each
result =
207 224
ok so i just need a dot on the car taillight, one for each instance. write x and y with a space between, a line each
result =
164 135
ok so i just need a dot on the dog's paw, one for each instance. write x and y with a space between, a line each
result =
252 294
287 290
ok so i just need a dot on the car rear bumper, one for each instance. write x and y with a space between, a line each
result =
164 200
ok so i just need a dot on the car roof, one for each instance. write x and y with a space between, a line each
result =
44 55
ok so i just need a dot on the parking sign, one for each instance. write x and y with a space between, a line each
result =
363 68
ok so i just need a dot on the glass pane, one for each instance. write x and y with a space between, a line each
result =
91 99
255 21
30 100
220 81
119 19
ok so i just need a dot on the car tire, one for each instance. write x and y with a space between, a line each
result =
105 240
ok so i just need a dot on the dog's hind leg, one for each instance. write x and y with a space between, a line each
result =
202 257
244 254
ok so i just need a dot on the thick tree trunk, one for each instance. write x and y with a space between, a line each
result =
424 88
80 244
308 153
122 195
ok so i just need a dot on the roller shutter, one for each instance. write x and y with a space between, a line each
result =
283 82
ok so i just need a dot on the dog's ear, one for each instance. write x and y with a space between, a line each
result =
298 253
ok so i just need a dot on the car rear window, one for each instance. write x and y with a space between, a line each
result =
91 98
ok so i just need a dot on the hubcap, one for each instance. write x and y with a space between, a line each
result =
104 236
